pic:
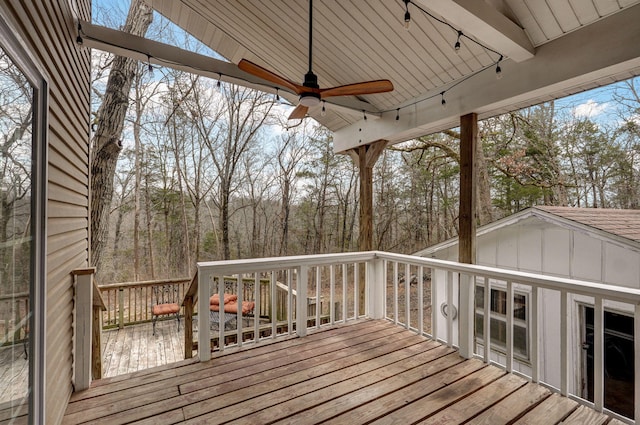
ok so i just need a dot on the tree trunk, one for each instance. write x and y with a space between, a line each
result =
106 144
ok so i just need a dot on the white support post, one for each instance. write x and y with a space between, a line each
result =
466 315
83 335
375 289
301 301
204 332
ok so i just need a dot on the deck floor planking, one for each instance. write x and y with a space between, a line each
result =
369 371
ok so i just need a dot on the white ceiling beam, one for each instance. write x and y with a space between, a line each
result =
603 51
483 22
145 50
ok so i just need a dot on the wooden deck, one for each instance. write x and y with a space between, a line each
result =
14 374
365 372
135 348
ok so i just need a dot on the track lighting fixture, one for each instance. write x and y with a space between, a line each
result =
219 78
498 69
364 113
277 94
443 102
324 110
407 15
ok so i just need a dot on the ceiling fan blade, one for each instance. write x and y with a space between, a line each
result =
299 112
265 74
367 87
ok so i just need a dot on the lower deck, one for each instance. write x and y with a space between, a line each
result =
364 372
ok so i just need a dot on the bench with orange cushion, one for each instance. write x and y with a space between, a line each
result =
232 307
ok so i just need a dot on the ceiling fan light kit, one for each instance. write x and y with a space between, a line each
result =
309 99
310 92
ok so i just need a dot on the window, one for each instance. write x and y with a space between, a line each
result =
22 250
498 325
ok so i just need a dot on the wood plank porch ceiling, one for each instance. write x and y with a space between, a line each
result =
364 372
358 41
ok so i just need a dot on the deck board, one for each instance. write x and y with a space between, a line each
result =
367 371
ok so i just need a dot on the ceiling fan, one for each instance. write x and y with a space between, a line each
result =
310 92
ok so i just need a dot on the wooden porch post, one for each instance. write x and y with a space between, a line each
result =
467 232
365 157
88 327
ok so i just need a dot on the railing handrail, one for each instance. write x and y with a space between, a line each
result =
192 290
144 283
579 287
259 264
19 295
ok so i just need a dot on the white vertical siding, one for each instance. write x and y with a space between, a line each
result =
48 30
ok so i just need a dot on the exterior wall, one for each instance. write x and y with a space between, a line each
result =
539 246
48 30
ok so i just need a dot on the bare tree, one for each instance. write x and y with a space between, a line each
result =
106 143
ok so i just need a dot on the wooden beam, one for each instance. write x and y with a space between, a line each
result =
467 216
599 53
149 51
365 157
467 231
483 22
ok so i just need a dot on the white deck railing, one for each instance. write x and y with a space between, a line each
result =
435 298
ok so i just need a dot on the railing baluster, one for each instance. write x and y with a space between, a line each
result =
509 341
385 265
434 305
332 293
256 310
564 344
356 290
598 354
344 293
449 308
318 304
420 300
121 308
395 292
407 295
274 305
290 301
222 286
486 323
239 321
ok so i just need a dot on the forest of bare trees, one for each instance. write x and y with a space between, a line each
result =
211 171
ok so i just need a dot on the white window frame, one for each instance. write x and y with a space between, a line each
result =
497 345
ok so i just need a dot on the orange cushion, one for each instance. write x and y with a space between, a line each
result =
215 299
165 309
247 307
